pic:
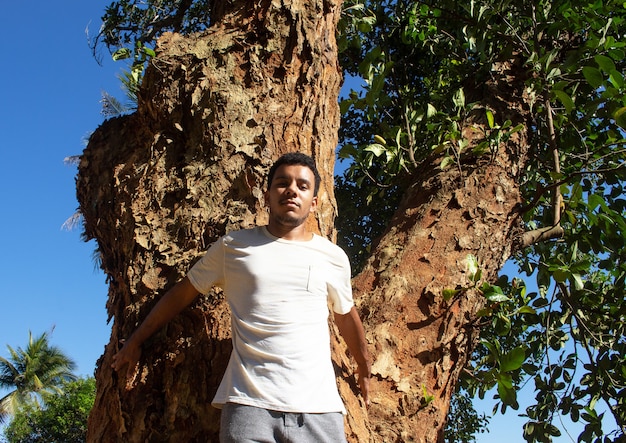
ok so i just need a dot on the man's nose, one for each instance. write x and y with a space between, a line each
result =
292 188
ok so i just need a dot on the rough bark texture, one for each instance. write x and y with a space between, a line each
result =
158 186
420 341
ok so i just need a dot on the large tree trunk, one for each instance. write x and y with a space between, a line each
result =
157 187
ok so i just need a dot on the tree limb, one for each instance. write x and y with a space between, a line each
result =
557 197
554 231
540 235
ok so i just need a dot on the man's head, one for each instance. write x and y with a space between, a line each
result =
291 195
295 158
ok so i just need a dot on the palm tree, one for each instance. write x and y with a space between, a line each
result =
32 374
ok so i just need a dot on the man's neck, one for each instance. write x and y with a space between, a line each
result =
297 233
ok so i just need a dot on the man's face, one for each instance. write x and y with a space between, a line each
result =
290 196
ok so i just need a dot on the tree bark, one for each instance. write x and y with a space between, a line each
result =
420 340
157 187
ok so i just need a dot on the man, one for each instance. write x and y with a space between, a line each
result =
277 279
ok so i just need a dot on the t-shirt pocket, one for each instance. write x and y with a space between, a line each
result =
316 283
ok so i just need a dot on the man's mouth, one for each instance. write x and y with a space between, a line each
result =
290 203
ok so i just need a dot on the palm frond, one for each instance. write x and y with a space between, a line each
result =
112 107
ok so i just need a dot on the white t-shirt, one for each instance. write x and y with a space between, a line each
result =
278 292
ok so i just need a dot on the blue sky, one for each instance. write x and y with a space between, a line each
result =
50 91
50 88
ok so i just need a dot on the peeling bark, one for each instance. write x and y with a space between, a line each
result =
420 341
157 187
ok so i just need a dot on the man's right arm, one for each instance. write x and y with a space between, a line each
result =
171 304
351 329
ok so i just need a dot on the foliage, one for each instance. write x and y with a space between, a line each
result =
64 418
129 23
463 421
364 230
424 68
130 29
33 374
112 107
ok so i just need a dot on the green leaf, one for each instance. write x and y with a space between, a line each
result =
565 99
485 312
376 148
446 161
459 99
593 76
526 310
605 63
506 391
560 275
616 79
121 54
476 277
493 348
481 148
490 119
553 430
430 110
502 325
577 282
594 200
620 117
496 298
149 52
472 265
347 151
449 293
513 360
505 380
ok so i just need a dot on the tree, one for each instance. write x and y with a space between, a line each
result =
63 419
498 127
463 84
33 374
214 111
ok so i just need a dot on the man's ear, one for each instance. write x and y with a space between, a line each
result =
313 205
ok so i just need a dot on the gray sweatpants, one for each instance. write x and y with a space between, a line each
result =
248 424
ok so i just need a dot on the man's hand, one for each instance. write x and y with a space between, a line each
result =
365 374
175 300
127 357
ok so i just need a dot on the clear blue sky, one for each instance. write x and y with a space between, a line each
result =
50 89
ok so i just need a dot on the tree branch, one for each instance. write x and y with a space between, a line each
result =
557 197
554 231
540 235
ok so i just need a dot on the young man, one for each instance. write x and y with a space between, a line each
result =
277 279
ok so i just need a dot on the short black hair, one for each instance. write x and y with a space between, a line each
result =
295 158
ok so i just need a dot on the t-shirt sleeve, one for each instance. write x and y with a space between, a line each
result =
209 270
340 286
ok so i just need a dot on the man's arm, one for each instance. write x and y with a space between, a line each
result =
352 331
171 304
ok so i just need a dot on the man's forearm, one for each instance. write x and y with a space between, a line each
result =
352 331
171 304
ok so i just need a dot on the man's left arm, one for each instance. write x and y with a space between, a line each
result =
352 331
